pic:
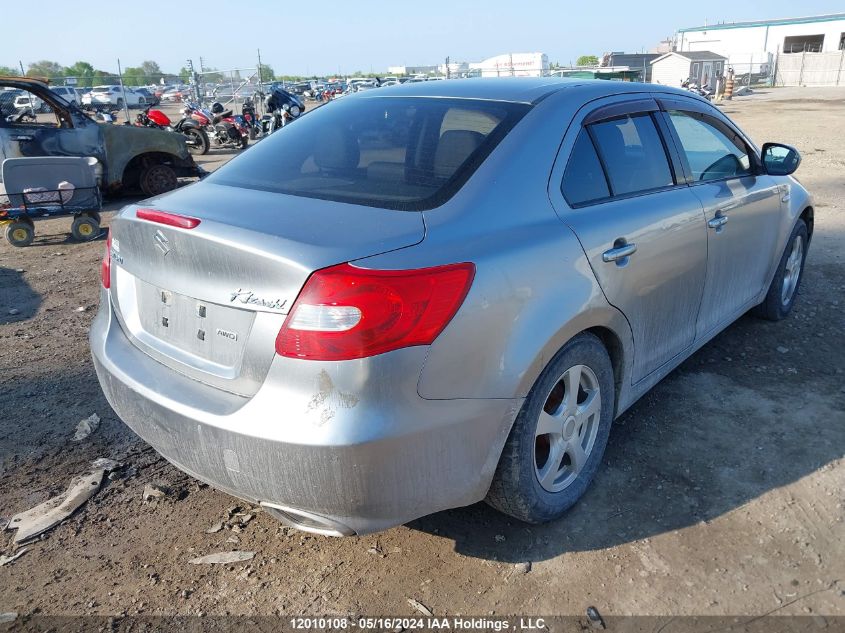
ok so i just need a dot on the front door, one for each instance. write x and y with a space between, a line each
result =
642 231
741 206
706 74
39 124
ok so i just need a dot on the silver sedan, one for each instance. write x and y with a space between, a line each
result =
431 294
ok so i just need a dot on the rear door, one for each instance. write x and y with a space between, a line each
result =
741 205
616 184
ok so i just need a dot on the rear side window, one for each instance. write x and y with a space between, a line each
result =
713 151
633 154
583 179
399 153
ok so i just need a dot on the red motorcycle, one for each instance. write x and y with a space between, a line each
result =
196 138
223 129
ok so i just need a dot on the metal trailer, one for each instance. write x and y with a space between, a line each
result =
49 186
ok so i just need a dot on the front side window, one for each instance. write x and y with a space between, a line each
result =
633 154
408 153
26 109
713 151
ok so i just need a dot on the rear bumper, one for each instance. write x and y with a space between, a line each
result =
336 448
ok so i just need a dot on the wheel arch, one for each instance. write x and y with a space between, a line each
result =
616 351
612 329
808 215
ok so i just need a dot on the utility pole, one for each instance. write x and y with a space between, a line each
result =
447 67
202 66
193 78
123 91
260 79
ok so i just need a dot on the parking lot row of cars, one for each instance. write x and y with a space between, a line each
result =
98 96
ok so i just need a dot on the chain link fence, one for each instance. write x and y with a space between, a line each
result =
810 69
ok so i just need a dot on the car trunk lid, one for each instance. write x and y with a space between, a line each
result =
208 301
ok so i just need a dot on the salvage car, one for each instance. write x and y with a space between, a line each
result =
431 294
128 158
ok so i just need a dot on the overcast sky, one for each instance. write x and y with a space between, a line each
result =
314 37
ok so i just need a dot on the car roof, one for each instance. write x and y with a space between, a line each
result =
519 89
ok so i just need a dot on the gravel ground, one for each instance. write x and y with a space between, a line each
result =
721 492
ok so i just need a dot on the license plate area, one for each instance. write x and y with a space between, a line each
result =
209 331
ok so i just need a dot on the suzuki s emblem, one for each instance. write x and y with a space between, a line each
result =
162 243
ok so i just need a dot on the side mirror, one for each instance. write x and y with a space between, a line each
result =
780 159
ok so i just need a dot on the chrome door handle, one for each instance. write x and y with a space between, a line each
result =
718 222
619 252
21 137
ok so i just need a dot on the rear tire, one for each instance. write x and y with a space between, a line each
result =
557 441
783 290
95 215
158 179
85 228
20 233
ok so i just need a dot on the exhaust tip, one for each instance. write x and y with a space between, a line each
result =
307 521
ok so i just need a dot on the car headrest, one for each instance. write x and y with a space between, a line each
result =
337 149
454 148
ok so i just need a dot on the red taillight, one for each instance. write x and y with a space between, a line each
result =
105 265
170 219
344 312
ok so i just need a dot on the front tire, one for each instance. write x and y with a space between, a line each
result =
783 290
557 441
157 179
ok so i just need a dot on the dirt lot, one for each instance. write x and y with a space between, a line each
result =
721 493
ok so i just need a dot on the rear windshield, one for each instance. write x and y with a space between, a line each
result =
408 153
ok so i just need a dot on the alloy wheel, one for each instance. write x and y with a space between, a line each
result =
567 428
792 271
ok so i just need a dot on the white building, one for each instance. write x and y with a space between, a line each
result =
411 70
513 65
698 67
750 46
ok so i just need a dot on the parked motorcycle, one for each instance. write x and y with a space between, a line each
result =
283 107
250 118
196 138
220 125
696 89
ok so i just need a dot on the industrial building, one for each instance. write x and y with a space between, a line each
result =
752 46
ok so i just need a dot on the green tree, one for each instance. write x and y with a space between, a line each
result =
587 60
133 76
45 68
84 73
152 72
266 72
184 74
9 71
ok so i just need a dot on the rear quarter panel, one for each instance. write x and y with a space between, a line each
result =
533 290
